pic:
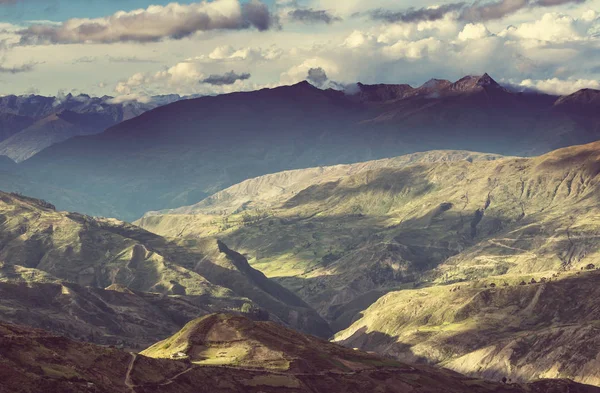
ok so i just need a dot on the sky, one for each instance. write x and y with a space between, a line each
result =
133 49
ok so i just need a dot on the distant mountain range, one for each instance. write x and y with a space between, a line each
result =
29 124
180 153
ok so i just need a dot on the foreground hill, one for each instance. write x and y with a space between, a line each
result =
33 360
178 154
102 252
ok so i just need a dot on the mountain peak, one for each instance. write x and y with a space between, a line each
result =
486 80
435 84
471 83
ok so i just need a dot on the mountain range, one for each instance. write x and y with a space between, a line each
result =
29 124
181 153
442 238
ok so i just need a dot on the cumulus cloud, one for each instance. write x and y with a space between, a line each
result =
317 76
553 27
179 78
155 23
473 32
229 78
309 15
559 86
227 52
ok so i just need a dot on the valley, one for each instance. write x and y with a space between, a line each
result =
452 261
472 262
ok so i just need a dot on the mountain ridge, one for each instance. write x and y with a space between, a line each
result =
178 154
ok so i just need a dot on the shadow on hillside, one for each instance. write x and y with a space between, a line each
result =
269 295
390 180
380 343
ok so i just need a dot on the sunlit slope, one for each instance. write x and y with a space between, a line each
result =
222 339
493 328
343 242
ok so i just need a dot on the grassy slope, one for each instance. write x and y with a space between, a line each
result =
221 339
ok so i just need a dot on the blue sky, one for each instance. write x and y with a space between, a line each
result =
192 47
60 10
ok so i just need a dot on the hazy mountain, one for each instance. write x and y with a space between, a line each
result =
53 129
29 124
178 154
102 252
33 360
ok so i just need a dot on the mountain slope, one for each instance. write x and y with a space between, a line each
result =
344 240
456 242
101 252
522 332
113 316
179 154
34 361
49 131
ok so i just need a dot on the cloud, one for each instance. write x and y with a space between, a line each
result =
229 78
179 78
493 10
27 67
85 59
227 52
559 86
129 59
124 99
553 27
473 32
317 76
415 15
472 12
155 23
310 15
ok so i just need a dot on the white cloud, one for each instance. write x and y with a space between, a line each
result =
473 32
174 21
559 86
554 27
227 52
180 78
